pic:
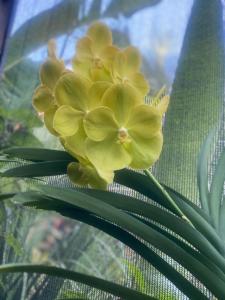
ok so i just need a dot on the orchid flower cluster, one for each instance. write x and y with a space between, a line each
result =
98 109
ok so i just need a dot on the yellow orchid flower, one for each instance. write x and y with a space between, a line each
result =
95 53
126 69
85 173
98 110
53 68
43 98
123 132
75 96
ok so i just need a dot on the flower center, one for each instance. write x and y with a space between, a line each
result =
121 79
123 135
98 62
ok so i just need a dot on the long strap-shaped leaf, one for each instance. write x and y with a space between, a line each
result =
162 217
38 169
129 223
113 288
143 185
196 99
38 154
147 253
188 248
131 179
202 171
217 190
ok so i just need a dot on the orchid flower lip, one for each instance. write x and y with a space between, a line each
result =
123 135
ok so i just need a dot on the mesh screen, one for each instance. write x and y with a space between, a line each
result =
28 236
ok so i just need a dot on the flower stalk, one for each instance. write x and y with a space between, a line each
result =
168 197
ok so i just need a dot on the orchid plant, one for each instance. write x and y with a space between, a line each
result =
98 112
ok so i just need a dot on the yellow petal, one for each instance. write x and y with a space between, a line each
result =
133 59
51 71
163 104
100 74
119 66
48 119
84 49
67 120
108 54
75 144
101 36
71 90
121 98
42 98
145 152
107 154
145 121
99 182
96 93
100 124
138 81
106 175
81 67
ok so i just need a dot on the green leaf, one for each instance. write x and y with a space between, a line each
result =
113 288
136 273
183 284
71 294
143 185
146 233
207 261
200 220
196 99
127 8
16 89
38 154
33 34
217 190
39 169
152 212
6 196
202 171
222 222
14 243
25 138
59 20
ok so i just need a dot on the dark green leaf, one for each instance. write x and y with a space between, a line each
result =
152 212
118 233
38 154
200 221
39 169
217 190
6 196
113 288
143 185
202 171
136 227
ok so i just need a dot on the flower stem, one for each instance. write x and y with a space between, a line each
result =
167 196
